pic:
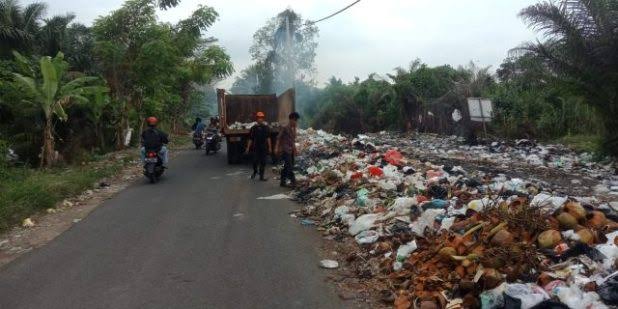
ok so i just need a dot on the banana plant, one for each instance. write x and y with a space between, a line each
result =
48 88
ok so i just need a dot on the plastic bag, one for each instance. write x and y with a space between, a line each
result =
608 291
575 298
387 185
367 237
551 203
391 172
405 250
528 294
375 171
362 196
493 299
402 205
426 220
393 157
435 204
363 223
609 250
479 205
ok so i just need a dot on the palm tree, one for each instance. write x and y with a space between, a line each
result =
19 26
53 36
49 91
581 47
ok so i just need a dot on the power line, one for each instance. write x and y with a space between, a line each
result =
336 13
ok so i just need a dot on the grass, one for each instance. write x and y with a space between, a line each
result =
25 191
582 143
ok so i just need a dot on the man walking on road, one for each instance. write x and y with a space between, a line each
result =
286 148
260 144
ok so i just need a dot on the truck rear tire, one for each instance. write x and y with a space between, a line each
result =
230 154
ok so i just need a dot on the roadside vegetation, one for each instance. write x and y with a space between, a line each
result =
562 88
70 93
25 191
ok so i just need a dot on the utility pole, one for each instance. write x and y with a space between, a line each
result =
290 64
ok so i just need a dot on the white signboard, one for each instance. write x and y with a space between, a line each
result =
481 110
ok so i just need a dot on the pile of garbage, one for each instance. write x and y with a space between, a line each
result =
521 152
248 125
441 236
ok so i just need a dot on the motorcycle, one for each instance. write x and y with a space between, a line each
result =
198 139
213 142
153 166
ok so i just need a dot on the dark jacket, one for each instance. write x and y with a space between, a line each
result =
153 139
259 135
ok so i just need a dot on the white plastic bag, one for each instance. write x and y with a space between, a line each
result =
405 250
575 298
363 223
529 294
548 202
367 237
402 205
426 220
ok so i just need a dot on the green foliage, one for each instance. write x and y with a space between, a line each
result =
19 26
580 48
25 191
48 89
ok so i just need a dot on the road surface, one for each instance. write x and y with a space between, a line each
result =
197 239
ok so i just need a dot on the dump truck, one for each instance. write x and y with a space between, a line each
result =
237 112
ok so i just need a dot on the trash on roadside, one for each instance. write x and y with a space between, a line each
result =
27 223
280 196
329 264
367 237
443 224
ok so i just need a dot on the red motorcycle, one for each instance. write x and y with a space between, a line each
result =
153 166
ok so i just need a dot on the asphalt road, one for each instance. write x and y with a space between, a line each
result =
197 239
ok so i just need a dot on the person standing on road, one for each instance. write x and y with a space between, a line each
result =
286 149
260 144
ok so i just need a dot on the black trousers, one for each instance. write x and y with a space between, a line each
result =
259 162
288 168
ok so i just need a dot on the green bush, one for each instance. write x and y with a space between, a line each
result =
24 191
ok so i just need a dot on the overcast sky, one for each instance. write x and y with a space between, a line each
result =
372 36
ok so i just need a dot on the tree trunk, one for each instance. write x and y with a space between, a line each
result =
100 136
47 151
123 124
610 125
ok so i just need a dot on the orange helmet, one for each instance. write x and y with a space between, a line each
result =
152 121
259 115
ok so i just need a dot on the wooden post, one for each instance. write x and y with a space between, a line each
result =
483 118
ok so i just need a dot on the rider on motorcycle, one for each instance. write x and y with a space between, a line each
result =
213 128
154 139
198 126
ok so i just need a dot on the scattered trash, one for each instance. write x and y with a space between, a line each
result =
28 223
608 291
367 237
104 184
280 196
329 264
307 222
363 223
525 295
237 173
443 224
